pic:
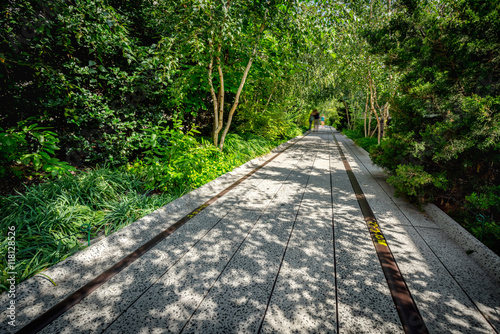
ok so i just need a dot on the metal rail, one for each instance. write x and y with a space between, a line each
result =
409 315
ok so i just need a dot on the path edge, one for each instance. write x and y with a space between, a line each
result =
481 254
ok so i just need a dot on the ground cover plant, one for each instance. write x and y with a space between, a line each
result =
365 142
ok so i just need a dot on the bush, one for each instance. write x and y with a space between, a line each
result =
27 149
177 160
414 181
393 151
365 142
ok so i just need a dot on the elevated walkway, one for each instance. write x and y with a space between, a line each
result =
285 249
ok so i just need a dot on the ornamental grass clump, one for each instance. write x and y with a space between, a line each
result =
50 218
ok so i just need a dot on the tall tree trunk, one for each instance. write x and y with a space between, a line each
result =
373 101
365 115
218 100
240 88
386 118
347 114
215 103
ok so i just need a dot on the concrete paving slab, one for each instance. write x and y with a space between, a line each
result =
168 305
304 298
237 301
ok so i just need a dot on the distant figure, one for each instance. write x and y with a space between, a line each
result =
315 113
322 120
311 120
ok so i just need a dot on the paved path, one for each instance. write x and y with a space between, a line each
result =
288 251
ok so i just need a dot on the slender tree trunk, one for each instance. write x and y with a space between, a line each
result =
219 119
370 134
355 111
373 100
365 114
347 114
240 88
379 137
215 102
386 118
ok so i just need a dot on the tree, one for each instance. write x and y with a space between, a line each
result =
446 118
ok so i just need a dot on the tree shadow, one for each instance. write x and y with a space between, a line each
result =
288 251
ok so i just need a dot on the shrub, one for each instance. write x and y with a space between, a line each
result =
414 181
27 149
393 151
365 142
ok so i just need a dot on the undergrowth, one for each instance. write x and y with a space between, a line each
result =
360 140
49 218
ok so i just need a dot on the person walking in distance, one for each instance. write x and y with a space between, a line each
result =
316 120
311 120
322 121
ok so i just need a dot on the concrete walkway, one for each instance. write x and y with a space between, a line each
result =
286 251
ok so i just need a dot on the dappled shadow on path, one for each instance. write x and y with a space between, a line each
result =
275 255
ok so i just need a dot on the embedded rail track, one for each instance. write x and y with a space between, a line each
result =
262 257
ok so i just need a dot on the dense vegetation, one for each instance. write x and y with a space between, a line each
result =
430 75
444 140
119 107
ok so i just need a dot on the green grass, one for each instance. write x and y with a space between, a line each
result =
360 140
49 217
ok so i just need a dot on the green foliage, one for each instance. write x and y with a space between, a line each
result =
48 217
353 134
446 115
414 181
177 160
393 151
270 124
487 231
479 215
488 200
27 149
173 158
99 72
367 143
78 70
